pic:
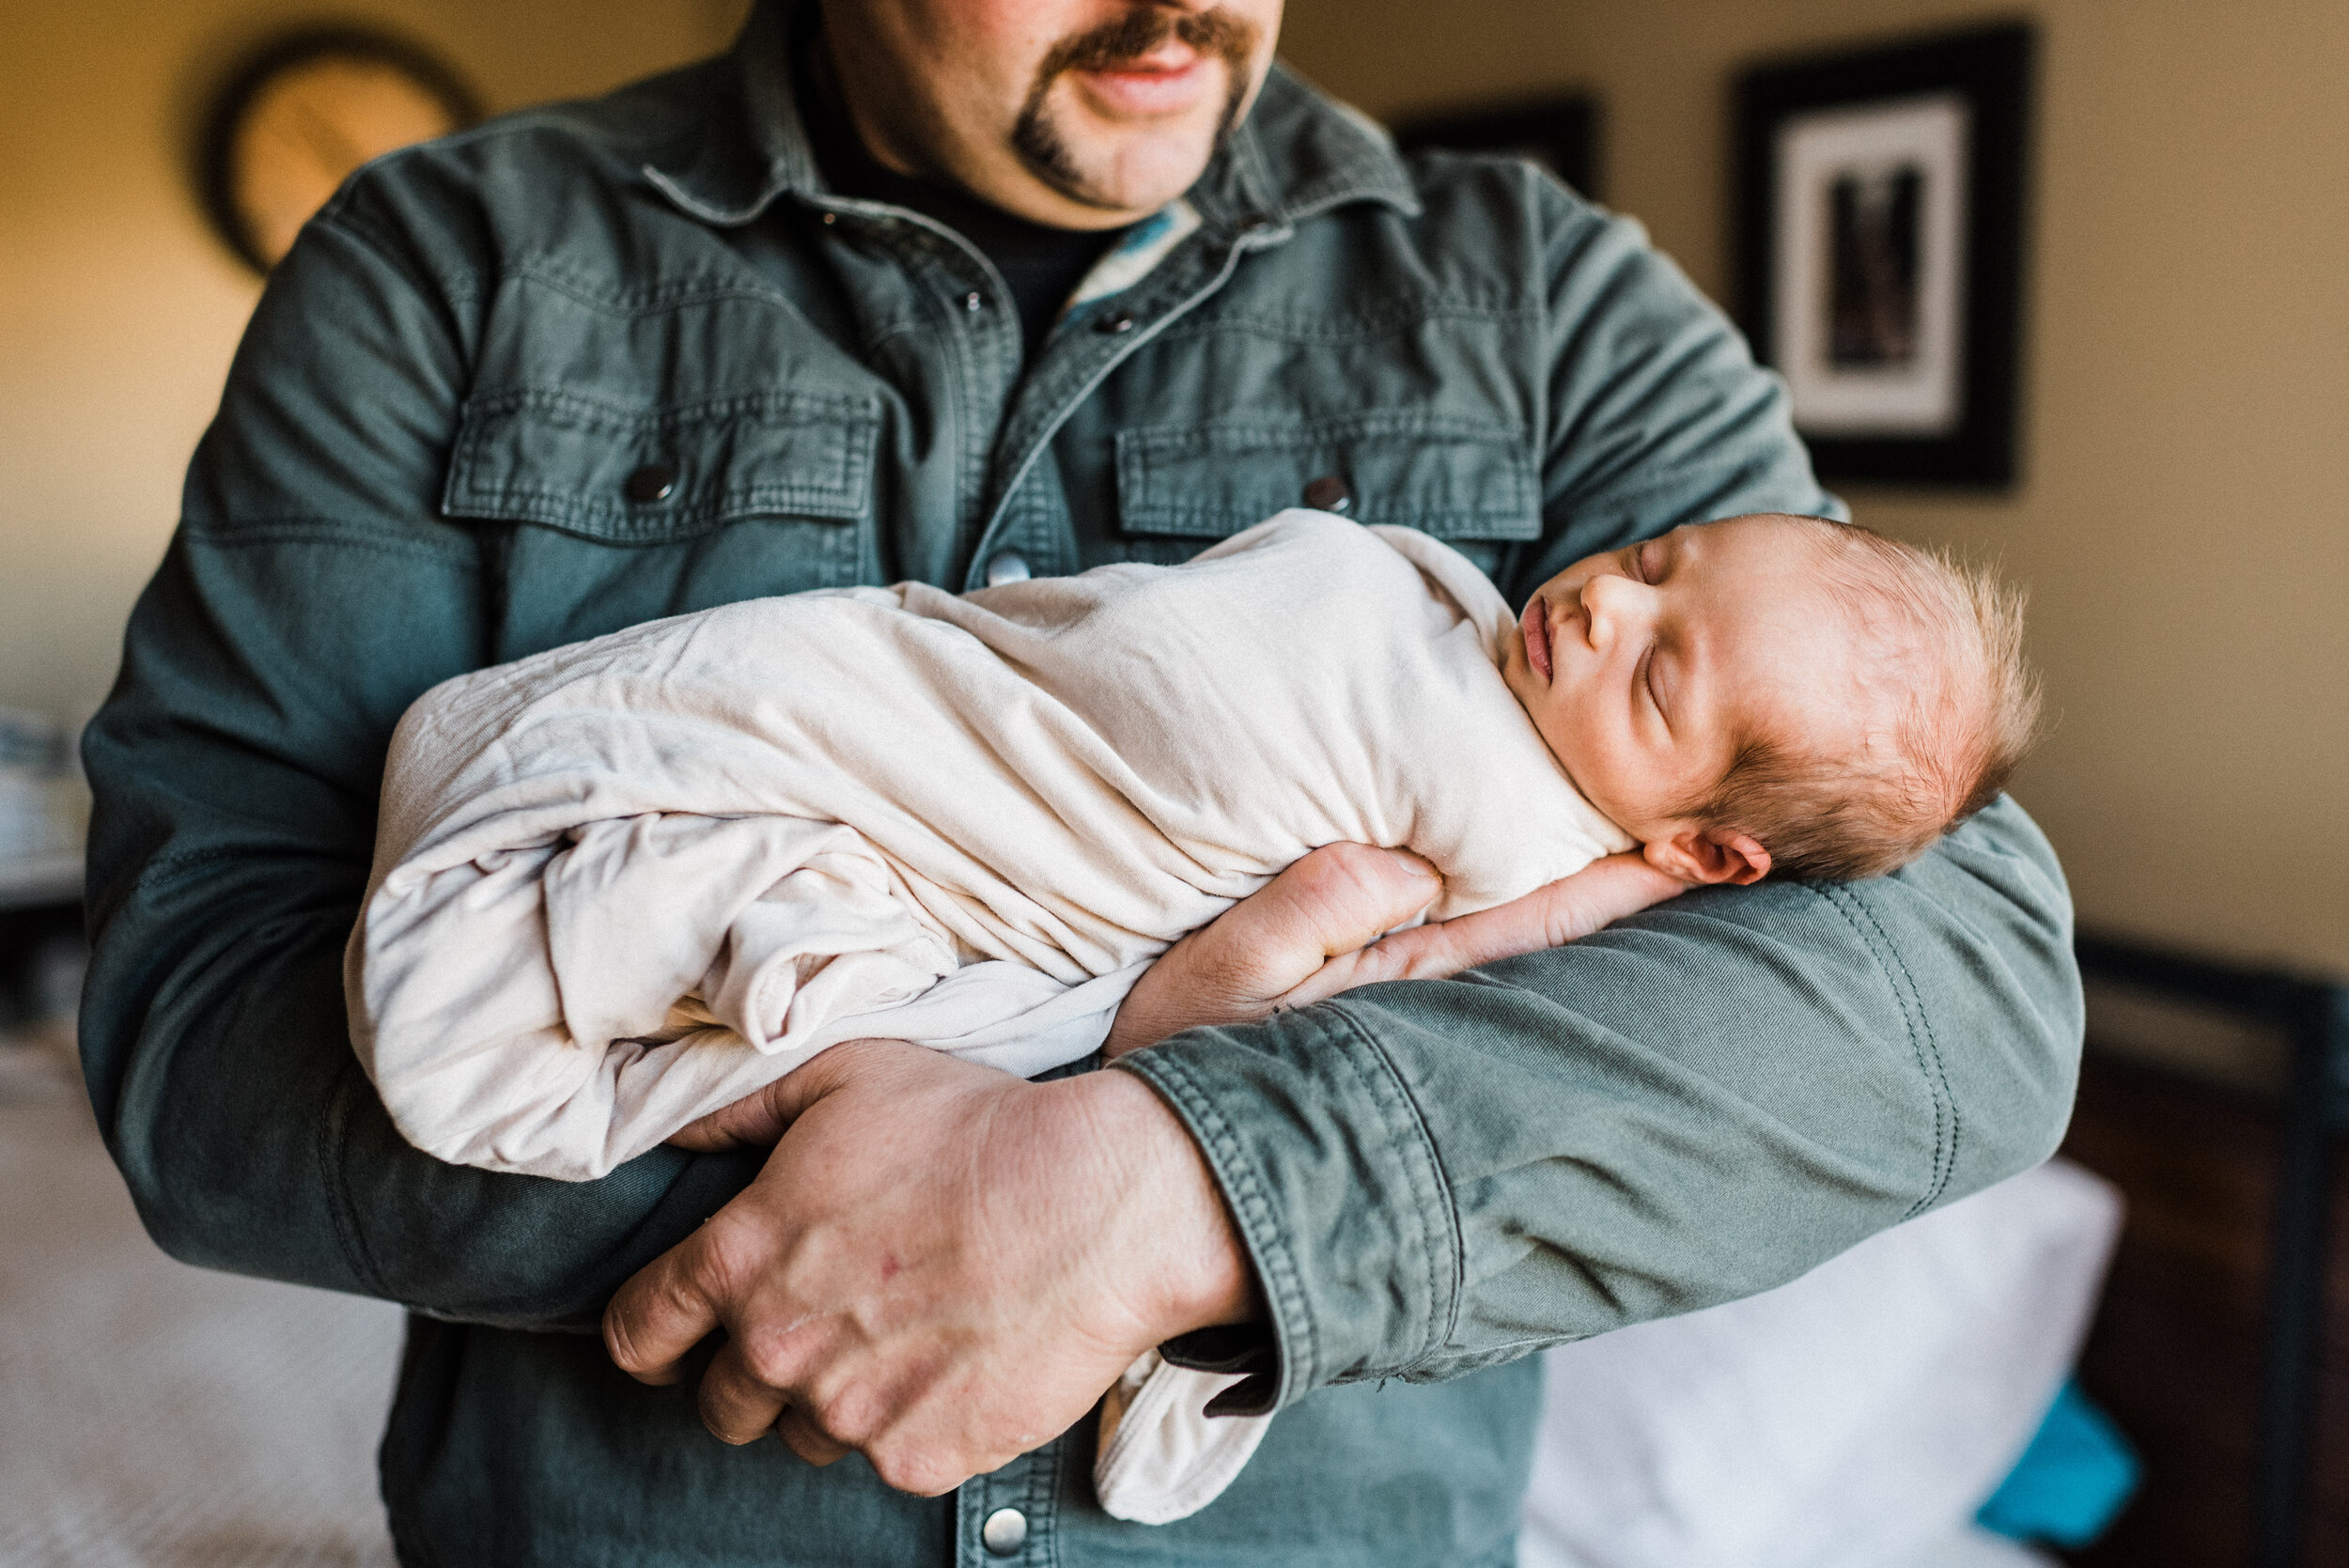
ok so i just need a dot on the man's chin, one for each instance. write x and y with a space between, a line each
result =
1136 186
1097 150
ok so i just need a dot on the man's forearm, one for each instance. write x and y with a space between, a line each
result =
251 1141
1704 1102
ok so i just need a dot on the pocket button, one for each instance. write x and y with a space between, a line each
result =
653 482
1329 493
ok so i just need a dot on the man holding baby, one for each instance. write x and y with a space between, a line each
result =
963 292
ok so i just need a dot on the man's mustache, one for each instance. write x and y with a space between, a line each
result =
1146 28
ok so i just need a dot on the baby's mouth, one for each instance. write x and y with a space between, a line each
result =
1535 622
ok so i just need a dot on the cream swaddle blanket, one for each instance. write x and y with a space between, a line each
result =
621 884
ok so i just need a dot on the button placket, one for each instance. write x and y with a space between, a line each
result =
1004 1532
1045 399
1006 1517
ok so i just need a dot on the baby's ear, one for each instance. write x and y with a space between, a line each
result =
1703 855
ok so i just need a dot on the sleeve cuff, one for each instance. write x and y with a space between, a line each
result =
1332 1179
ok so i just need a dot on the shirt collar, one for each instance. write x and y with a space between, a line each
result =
1296 155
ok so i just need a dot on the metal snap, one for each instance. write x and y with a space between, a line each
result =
1004 1532
974 302
1007 565
1329 493
653 482
1110 326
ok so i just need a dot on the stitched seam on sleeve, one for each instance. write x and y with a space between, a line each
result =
1250 1206
321 531
344 218
1923 1048
334 1139
1432 1195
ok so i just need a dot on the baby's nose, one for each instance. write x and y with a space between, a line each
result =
1609 600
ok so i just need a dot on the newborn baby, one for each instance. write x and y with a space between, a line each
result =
623 884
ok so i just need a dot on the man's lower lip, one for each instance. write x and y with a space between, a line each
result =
1148 92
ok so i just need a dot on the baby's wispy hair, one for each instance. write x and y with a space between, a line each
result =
1950 709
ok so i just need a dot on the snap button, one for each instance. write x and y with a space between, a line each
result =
1007 565
1110 326
1329 494
974 302
653 482
1004 1532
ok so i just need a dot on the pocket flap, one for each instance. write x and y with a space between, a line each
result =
640 475
1451 478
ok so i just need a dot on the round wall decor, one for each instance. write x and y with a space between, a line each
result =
291 122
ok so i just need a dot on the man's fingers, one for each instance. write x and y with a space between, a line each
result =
802 1437
1343 895
1601 893
1567 910
662 1312
735 1406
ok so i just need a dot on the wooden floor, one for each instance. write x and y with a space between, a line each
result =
2174 1354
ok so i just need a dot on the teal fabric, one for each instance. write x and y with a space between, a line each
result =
419 468
2074 1476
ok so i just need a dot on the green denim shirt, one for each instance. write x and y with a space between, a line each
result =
422 465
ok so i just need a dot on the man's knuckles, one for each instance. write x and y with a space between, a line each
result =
908 1467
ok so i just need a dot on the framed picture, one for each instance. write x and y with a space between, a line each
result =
1880 206
1559 133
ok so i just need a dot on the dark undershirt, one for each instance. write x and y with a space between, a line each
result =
1040 265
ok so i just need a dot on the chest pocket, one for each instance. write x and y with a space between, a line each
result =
1468 481
645 476
706 501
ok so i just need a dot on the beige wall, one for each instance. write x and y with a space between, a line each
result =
2183 522
119 311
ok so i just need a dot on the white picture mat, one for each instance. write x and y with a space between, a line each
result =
1923 397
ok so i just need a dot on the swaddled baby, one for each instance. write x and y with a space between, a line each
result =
622 884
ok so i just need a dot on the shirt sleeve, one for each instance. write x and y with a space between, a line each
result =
310 593
1695 1105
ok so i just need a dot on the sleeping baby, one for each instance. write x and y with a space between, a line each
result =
622 884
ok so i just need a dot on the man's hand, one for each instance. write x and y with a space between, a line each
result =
1313 931
942 1267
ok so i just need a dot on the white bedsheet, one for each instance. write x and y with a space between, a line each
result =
1854 1419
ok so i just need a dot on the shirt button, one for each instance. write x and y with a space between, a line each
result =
1329 494
1004 1532
1007 565
1110 326
653 482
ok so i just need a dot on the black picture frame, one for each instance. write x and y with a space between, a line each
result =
1557 131
1973 438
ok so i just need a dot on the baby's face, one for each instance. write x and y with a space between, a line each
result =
1645 668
